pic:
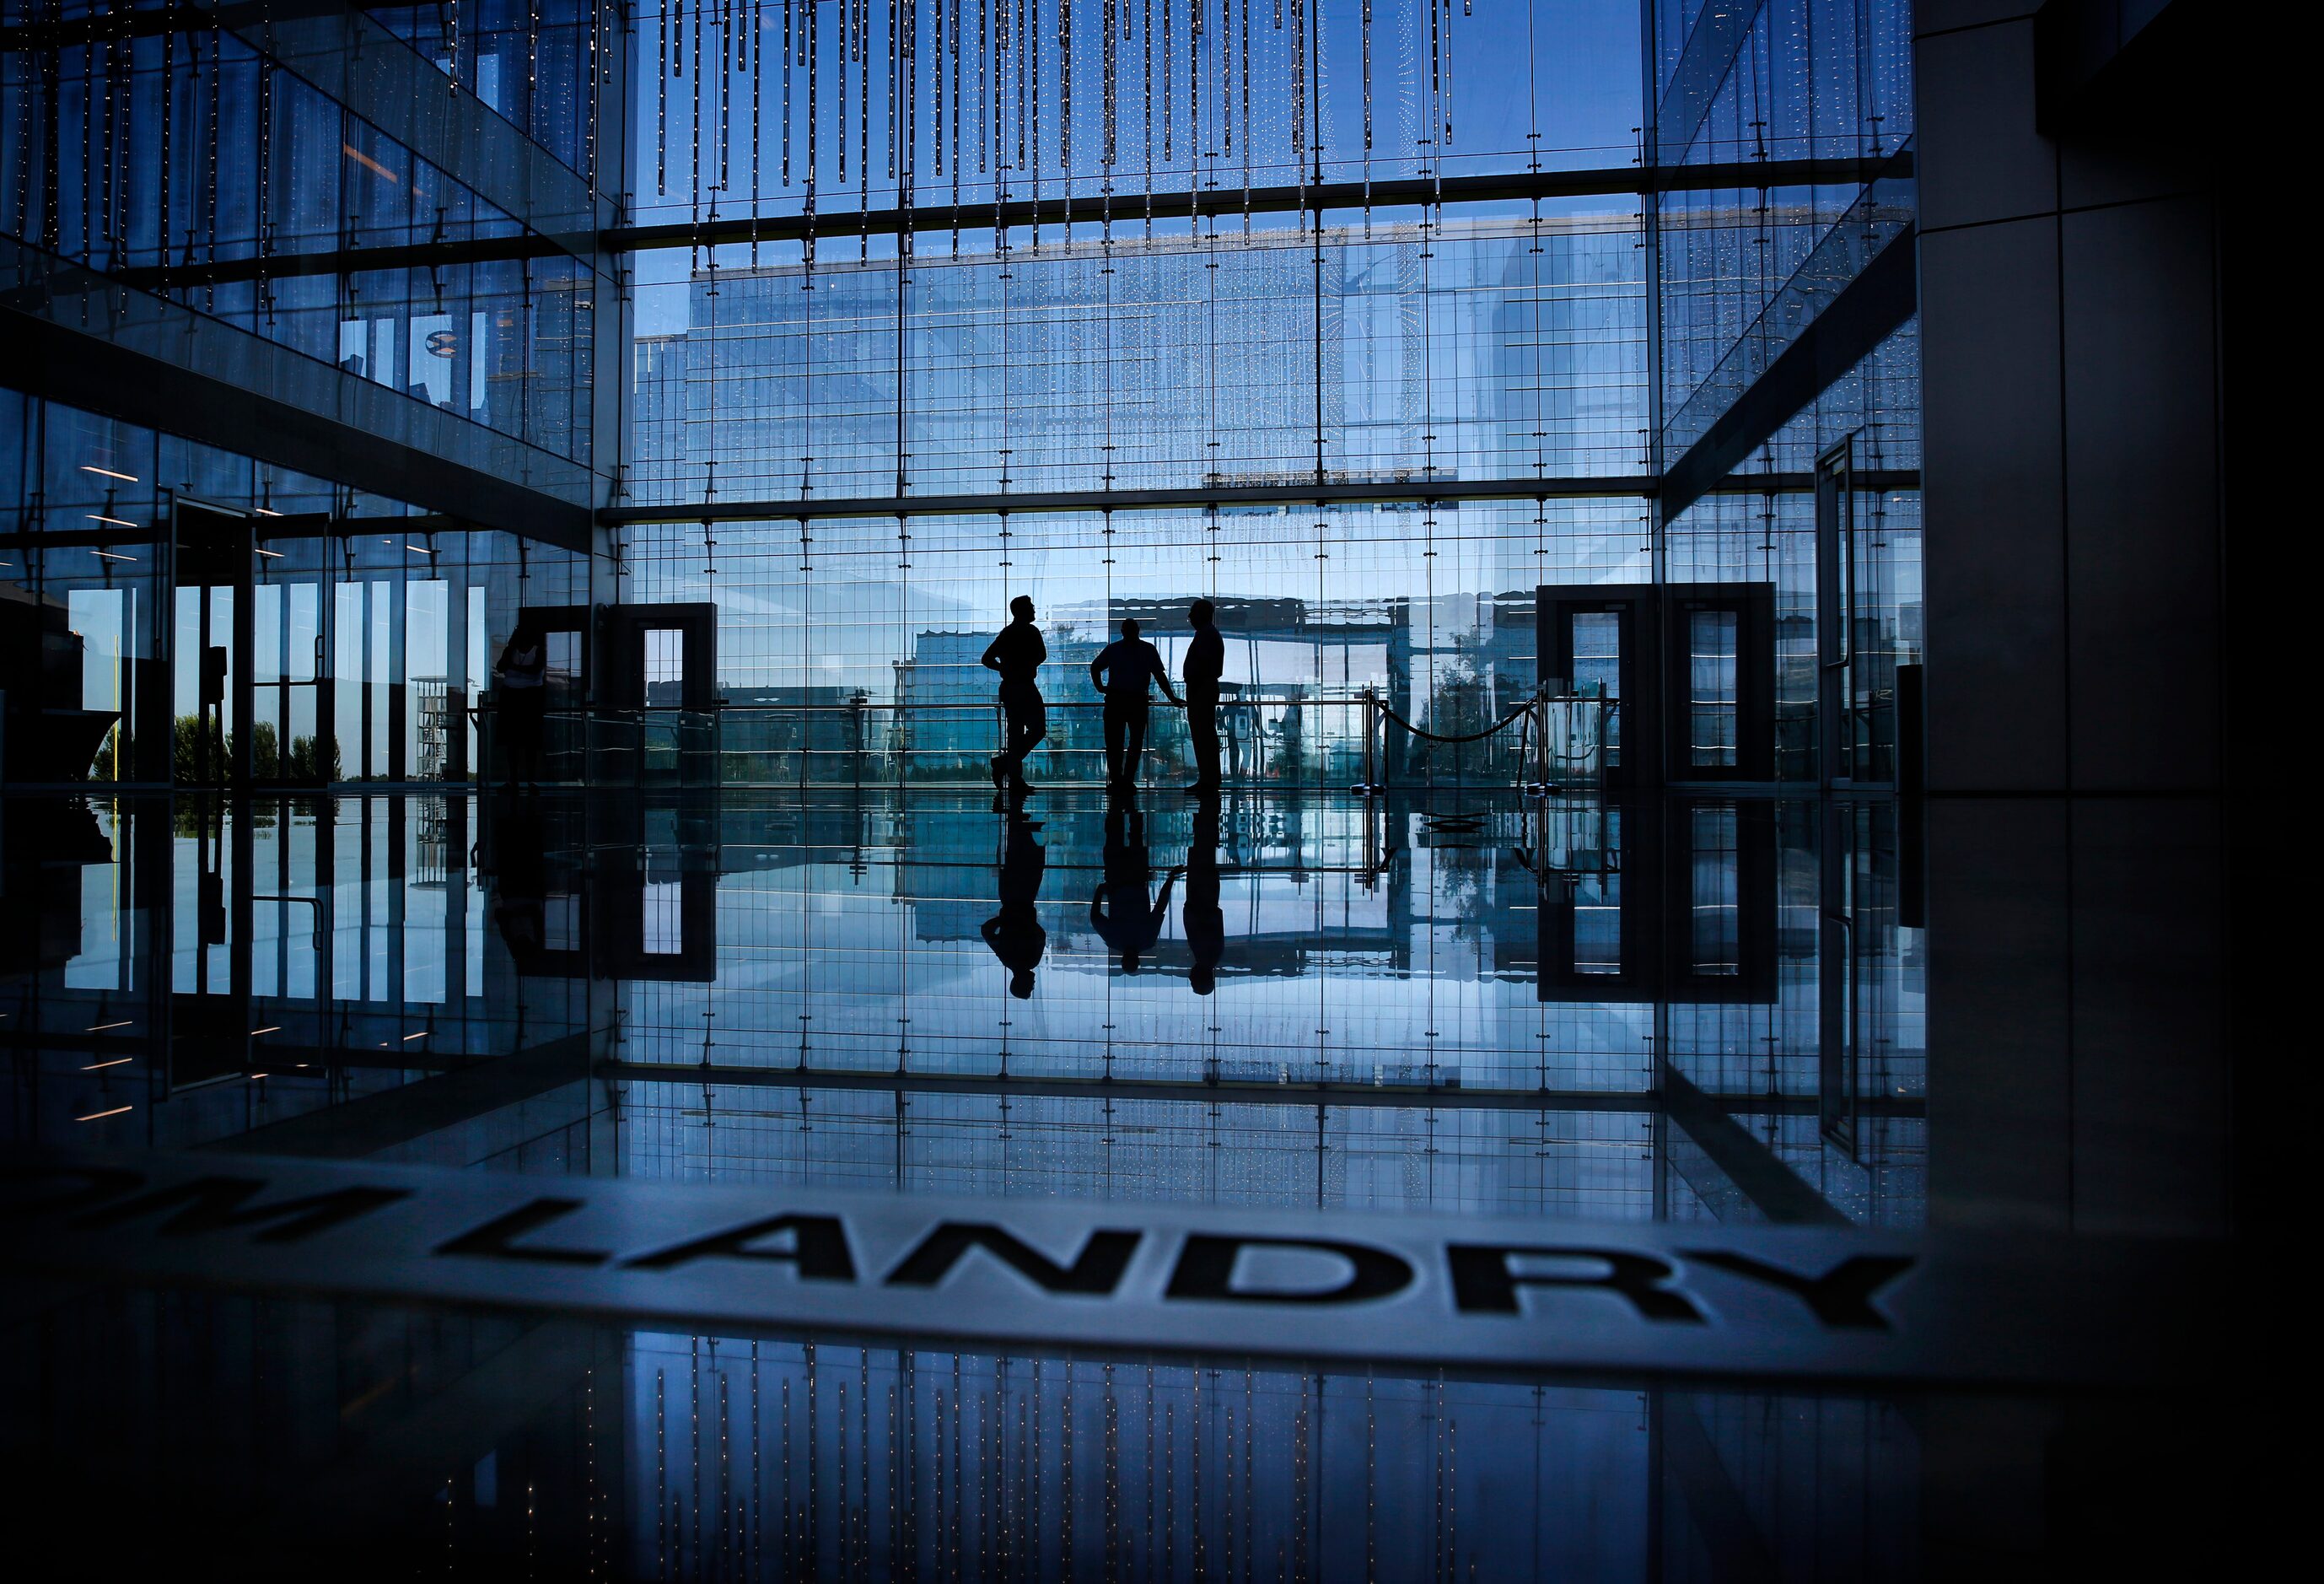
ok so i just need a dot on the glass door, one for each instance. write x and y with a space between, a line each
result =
291 743
204 750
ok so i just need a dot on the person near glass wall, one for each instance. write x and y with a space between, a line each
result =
1206 661
1018 654
1121 671
523 699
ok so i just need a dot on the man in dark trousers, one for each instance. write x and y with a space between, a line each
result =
1015 932
1206 658
1121 671
1121 910
1017 655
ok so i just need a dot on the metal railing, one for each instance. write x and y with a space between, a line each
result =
1545 742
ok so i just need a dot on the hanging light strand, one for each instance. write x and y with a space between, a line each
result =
1168 68
1113 20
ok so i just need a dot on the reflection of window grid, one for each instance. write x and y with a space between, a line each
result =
1714 916
1597 924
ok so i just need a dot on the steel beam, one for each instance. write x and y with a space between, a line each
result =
1219 202
1352 1095
1429 492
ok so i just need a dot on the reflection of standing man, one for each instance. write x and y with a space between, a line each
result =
1207 925
1206 659
1015 932
1122 912
1017 655
1121 671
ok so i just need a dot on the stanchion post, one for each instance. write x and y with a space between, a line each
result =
1540 742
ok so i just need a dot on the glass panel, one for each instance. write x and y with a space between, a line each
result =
1598 668
347 680
381 676
665 665
427 643
100 618
479 669
266 699
302 670
1710 688
564 670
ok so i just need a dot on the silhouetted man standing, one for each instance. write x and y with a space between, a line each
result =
1206 658
1017 655
1121 671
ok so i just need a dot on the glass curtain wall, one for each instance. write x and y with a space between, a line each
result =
1749 266
1068 255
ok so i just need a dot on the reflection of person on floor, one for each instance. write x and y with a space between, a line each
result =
1122 670
1206 925
1015 932
1121 912
1207 660
519 878
1018 654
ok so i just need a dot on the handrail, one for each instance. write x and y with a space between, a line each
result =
1538 759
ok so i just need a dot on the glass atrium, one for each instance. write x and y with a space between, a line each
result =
553 1023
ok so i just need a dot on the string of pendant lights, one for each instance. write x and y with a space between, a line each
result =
1209 81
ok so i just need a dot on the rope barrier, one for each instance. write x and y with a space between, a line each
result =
1474 737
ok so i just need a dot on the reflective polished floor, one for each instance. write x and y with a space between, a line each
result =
1710 1012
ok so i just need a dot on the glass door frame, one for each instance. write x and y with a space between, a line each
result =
316 579
1654 672
210 548
1837 736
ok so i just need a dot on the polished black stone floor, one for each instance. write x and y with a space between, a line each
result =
1728 1016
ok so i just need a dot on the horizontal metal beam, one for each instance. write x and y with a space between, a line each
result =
282 266
1430 492
1629 180
1641 1101
1219 202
